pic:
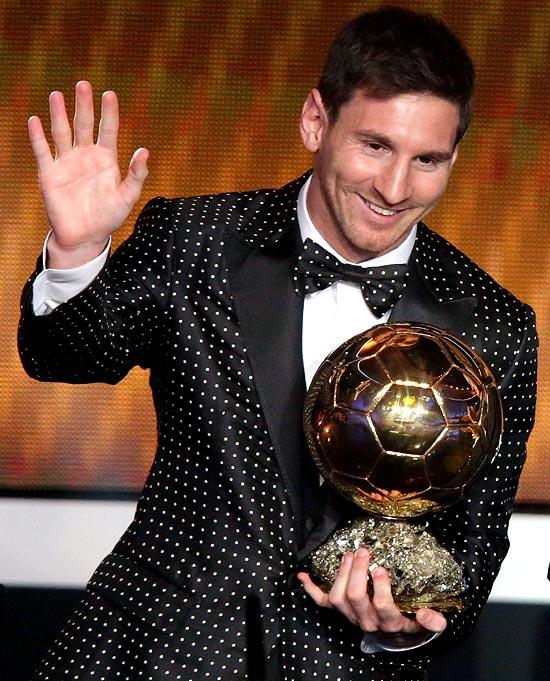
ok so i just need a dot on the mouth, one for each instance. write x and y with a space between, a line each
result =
380 211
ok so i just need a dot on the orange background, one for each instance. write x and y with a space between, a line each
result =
214 90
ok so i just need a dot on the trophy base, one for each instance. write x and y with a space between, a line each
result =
422 573
443 605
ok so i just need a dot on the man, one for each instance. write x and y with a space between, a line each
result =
210 580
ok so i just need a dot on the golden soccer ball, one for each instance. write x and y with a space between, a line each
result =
402 418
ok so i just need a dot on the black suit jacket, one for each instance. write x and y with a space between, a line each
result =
201 294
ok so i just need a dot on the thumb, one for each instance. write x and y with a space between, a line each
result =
431 619
137 172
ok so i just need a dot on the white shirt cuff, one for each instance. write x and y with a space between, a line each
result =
395 643
53 287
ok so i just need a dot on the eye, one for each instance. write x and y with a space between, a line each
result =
426 160
376 146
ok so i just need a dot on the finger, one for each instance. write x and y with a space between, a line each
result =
108 123
390 618
431 619
357 594
318 595
40 147
137 172
337 596
83 114
61 130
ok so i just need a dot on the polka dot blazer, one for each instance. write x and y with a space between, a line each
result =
202 584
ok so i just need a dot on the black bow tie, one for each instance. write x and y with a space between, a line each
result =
381 286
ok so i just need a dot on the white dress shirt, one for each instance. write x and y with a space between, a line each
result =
338 312
53 287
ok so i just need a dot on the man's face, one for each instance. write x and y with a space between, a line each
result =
379 168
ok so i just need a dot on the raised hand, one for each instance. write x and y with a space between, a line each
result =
85 197
349 596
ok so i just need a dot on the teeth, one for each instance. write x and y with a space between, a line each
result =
380 211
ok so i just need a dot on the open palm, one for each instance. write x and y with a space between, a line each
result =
85 196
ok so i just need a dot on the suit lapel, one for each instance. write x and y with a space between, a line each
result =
420 303
270 317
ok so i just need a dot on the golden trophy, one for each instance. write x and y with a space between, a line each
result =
401 419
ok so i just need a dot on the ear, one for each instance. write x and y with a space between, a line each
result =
455 154
313 121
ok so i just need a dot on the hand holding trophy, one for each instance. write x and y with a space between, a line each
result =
401 419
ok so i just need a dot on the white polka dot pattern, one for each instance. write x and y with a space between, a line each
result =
215 525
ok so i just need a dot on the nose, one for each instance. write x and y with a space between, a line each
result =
392 183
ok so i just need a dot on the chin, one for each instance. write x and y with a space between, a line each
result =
375 247
384 240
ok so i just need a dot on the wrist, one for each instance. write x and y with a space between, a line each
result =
62 257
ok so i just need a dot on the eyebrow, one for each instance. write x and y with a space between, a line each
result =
380 138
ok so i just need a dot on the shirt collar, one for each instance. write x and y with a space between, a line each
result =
397 256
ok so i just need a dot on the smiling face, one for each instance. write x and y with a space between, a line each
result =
379 168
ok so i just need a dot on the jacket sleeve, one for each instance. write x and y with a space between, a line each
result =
113 324
475 531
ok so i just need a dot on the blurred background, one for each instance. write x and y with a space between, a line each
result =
214 90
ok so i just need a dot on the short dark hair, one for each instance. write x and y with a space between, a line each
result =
392 51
